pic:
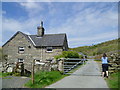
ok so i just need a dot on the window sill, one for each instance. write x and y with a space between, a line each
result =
21 52
49 51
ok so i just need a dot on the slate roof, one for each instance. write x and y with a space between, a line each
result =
46 40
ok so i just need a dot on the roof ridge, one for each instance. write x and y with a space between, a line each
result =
55 34
50 34
21 32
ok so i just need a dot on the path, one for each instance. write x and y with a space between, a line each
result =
14 82
88 76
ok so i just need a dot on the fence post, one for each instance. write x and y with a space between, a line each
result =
33 71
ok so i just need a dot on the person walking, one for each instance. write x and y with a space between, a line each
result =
104 65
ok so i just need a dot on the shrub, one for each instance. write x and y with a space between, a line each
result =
16 74
68 54
58 56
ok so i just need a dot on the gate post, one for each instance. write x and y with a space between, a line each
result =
63 65
33 71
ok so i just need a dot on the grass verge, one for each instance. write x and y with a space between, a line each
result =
113 81
44 78
4 74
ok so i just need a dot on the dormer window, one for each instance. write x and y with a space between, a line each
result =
21 50
49 49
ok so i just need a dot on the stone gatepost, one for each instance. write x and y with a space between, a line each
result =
61 65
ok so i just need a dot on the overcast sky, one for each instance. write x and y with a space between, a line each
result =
85 23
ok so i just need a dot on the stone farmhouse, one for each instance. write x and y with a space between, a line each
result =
24 48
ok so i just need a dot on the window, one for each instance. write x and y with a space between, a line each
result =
21 50
29 46
49 49
63 48
20 60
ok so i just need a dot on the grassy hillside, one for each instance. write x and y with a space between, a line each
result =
0 53
101 48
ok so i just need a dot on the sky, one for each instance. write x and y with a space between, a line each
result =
85 23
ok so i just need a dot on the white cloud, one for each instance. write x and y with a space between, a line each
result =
11 25
82 41
32 8
96 37
87 22
30 5
15 25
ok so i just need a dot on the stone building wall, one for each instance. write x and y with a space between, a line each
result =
30 52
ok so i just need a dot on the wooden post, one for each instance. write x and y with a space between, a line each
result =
33 64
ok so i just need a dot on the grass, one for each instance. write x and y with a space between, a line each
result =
113 81
98 60
4 74
44 78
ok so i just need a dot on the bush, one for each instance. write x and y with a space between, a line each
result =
58 56
68 54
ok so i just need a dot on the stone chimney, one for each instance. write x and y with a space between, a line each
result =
40 29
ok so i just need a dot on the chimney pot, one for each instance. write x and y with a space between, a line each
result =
40 29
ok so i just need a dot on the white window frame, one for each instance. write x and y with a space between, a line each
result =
48 49
21 49
20 60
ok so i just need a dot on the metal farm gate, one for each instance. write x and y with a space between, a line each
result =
71 63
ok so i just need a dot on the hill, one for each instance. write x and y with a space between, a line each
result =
97 49
0 53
